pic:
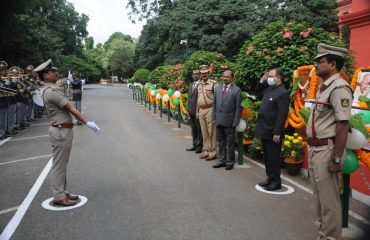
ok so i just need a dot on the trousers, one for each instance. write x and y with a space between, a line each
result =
325 186
208 132
61 140
196 132
226 144
272 159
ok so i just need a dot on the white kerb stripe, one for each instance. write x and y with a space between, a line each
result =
18 216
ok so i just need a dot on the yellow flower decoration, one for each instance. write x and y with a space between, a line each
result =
286 143
293 153
300 138
295 141
295 134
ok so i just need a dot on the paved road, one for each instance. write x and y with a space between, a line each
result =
149 189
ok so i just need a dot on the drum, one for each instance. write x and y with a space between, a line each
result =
37 97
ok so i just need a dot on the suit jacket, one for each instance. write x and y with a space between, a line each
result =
192 99
226 113
273 111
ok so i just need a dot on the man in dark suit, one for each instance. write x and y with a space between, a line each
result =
196 131
270 124
226 114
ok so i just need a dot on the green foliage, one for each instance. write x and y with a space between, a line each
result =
36 30
255 148
165 76
141 76
219 61
282 44
305 114
73 63
249 132
215 26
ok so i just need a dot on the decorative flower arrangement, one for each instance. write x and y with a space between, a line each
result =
292 149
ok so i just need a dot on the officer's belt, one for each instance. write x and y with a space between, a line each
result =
206 106
314 141
63 125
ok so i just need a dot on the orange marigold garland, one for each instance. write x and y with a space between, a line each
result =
363 157
313 85
294 119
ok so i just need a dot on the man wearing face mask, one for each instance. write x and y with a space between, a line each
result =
327 132
270 124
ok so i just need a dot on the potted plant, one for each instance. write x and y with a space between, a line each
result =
292 151
255 149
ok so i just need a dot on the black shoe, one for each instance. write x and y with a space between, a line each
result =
229 167
272 187
219 165
191 149
199 150
19 128
264 183
2 138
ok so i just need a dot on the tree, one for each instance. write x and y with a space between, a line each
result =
213 25
119 54
141 75
40 29
89 43
73 63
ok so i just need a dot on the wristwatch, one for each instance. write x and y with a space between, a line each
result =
337 160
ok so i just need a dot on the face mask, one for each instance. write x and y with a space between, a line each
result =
271 81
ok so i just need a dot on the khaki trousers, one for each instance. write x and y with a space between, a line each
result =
326 192
208 132
61 140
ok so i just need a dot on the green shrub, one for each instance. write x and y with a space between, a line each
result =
141 75
165 76
219 61
282 44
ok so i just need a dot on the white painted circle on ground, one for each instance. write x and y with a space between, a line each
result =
47 204
288 190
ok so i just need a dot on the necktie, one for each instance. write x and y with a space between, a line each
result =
224 92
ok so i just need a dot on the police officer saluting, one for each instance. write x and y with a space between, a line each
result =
59 111
327 132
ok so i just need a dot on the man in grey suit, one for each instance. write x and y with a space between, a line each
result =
196 131
226 114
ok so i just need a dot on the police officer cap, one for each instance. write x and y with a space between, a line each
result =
29 68
3 65
15 72
46 66
324 49
204 69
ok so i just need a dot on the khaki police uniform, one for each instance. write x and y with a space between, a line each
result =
60 136
206 91
321 131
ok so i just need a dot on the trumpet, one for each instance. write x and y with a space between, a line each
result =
8 91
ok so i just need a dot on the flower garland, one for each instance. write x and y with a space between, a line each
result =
183 107
363 157
313 84
294 119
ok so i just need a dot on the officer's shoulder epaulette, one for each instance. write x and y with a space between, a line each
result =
340 83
